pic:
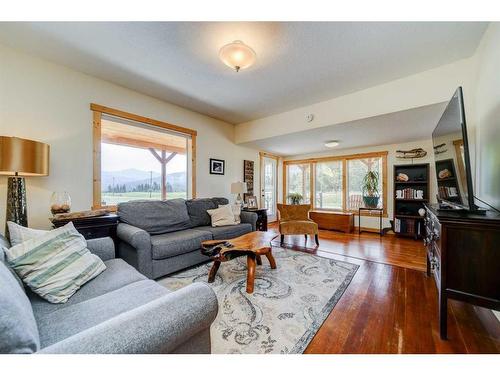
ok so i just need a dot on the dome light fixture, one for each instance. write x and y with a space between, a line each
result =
237 55
331 144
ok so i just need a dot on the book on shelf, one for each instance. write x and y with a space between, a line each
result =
448 192
409 193
407 226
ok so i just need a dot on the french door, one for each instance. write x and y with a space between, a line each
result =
269 185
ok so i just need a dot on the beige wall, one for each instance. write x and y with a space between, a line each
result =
50 103
426 144
429 87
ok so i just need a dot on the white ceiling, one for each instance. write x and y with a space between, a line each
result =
298 63
397 127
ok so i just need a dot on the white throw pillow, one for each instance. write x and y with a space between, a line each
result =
18 234
236 208
55 264
222 216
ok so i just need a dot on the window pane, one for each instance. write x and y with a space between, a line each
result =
131 163
298 181
357 169
329 185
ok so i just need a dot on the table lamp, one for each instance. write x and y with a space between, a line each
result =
238 188
21 158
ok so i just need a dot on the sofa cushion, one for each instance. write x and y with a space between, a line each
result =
169 245
155 216
220 201
75 318
227 232
197 210
18 328
118 274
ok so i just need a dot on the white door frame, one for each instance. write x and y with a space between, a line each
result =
263 156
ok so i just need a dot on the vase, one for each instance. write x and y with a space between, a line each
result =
370 202
60 202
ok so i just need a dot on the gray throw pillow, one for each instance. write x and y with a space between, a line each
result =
18 328
197 210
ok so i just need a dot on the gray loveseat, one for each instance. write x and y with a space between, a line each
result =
162 237
120 311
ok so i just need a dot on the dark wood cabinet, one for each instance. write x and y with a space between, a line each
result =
463 256
93 227
261 217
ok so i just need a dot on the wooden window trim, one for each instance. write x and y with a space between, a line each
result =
344 158
97 111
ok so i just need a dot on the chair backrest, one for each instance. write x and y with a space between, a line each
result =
294 211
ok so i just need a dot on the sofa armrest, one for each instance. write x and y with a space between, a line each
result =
135 237
104 248
159 326
250 218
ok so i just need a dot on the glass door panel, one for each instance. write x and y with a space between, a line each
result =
269 186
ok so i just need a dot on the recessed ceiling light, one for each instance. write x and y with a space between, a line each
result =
331 144
237 55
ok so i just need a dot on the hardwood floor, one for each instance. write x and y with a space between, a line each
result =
391 305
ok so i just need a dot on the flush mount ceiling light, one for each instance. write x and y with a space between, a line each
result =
331 144
237 55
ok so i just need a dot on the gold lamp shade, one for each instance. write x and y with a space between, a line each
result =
23 157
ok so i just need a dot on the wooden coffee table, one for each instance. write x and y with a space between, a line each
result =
253 245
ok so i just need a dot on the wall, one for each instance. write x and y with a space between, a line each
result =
426 144
48 102
428 87
488 117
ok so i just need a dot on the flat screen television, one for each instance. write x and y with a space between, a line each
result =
451 155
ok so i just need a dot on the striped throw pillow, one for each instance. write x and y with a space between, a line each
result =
55 264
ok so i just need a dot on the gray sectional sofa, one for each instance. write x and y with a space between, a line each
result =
120 311
162 237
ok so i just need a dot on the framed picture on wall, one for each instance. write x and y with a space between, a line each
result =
217 166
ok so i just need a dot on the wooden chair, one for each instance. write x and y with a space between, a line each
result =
294 219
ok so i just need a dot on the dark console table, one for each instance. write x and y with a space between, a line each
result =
93 227
463 256
261 217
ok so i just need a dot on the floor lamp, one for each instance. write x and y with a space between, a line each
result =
21 158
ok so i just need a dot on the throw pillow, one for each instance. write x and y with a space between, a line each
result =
18 234
222 216
236 208
55 264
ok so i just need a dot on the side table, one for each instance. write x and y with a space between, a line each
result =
380 212
261 217
92 227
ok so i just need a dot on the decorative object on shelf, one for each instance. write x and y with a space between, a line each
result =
237 55
248 173
414 153
402 177
421 211
238 188
21 158
439 149
80 214
444 173
295 198
252 201
217 166
369 187
60 202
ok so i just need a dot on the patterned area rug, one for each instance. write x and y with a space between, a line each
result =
288 305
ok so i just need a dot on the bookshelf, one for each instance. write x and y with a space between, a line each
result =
448 187
409 197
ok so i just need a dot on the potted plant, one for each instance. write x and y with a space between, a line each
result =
369 187
295 198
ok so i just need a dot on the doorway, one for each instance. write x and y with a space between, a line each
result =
269 184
